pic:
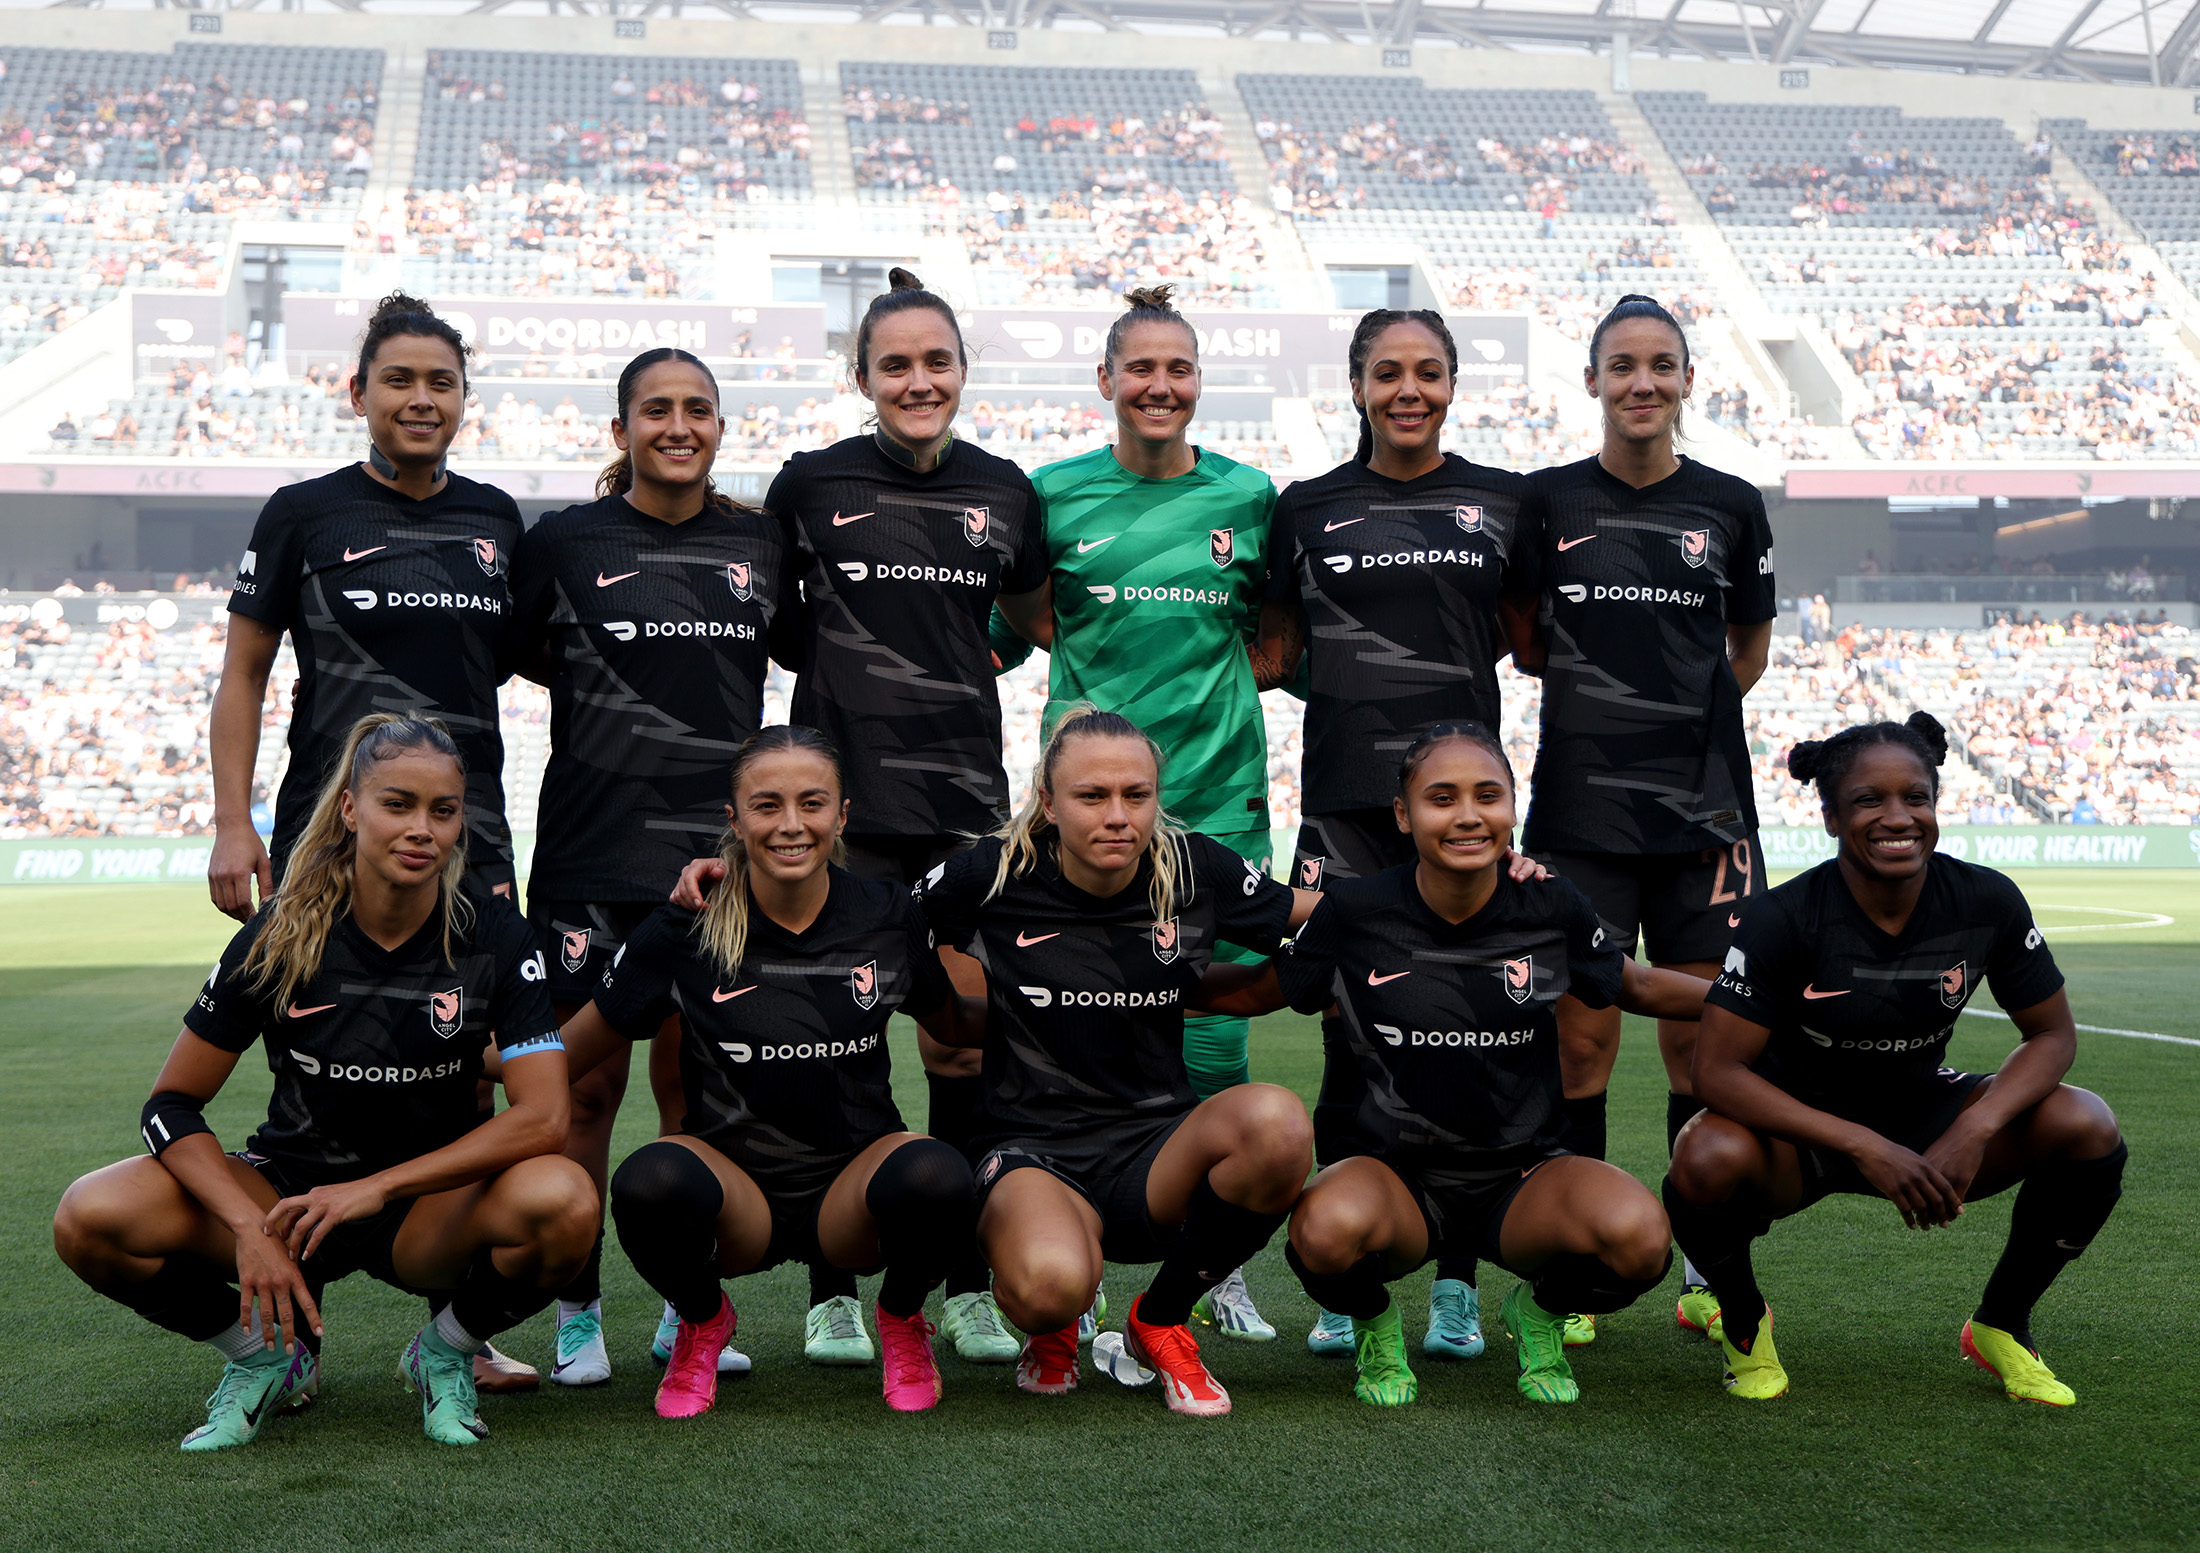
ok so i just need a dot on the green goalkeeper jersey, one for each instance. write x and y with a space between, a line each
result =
1157 590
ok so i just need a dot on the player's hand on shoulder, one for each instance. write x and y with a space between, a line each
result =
697 880
1524 869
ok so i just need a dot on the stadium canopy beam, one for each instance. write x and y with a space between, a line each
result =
2053 53
1405 21
1799 23
1993 20
2179 51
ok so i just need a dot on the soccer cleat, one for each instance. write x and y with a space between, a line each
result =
1332 1334
450 1412
690 1385
1173 1353
912 1372
496 1373
1698 1311
973 1324
1755 1375
1048 1365
1228 1307
581 1359
1545 1374
731 1360
1379 1349
252 1393
2024 1376
1088 1325
833 1333
1454 1320
1581 1331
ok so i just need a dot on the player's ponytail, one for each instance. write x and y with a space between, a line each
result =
617 477
316 887
1370 329
1027 828
1826 762
725 925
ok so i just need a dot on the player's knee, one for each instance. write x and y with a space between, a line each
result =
1329 1231
1635 1237
1274 1131
89 1220
1043 1292
1710 1159
2080 1123
557 1202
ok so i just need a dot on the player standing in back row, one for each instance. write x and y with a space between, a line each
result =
1156 557
1655 576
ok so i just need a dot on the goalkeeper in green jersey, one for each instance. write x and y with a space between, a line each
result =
1157 562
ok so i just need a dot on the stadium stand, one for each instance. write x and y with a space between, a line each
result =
2146 174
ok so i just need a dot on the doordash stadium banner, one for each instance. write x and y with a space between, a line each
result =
1493 347
575 326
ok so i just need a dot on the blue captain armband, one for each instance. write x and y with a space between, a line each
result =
529 1046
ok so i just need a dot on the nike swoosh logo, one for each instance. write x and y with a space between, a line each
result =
604 582
252 1414
1025 943
1348 522
1568 544
361 555
727 997
295 1012
1732 920
1813 992
1093 544
1374 980
841 522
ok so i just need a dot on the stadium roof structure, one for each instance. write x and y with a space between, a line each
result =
2120 42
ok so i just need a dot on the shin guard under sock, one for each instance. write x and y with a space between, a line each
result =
1680 1110
587 1285
924 1202
486 1302
2058 1211
828 1282
1461 1268
1217 1238
1717 1239
666 1203
1586 1285
1359 1291
186 1296
953 1118
1584 1132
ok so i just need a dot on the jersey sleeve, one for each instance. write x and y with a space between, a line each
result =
635 995
953 894
268 575
1307 968
929 988
519 1009
1283 552
2022 971
1594 964
1750 599
1027 568
1767 959
228 1012
1251 909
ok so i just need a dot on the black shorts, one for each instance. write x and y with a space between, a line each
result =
1351 844
899 859
1465 1211
579 939
366 1245
1685 906
794 1230
1112 1179
1915 1120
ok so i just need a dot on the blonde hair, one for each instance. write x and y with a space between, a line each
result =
1025 828
316 887
725 924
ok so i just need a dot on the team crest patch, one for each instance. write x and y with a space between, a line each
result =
1695 545
1519 978
1469 519
573 948
1165 946
447 1011
738 579
1310 872
977 521
863 984
1221 545
485 551
1953 983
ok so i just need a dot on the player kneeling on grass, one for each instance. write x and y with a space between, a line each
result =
1446 971
1820 1060
375 976
792 1148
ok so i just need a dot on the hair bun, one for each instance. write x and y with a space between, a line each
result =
1155 297
399 303
1636 296
1927 727
1805 759
899 279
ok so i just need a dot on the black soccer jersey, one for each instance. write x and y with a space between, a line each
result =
1454 1025
899 570
377 1054
784 1062
1399 582
1085 996
392 605
1642 747
657 635
1860 1016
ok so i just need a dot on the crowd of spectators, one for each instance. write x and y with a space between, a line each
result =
2143 155
572 232
1093 248
1314 172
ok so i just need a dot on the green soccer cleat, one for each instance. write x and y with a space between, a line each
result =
450 1411
1332 1334
834 1334
1454 1320
253 1393
1379 1349
1228 1308
1088 1325
972 1322
1545 1374
1755 1376
1698 1311
1581 1331
2024 1376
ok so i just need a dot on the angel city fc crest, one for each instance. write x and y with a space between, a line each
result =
977 522
1310 872
485 551
447 1011
1953 982
573 948
1695 545
1165 946
1221 545
1469 519
738 579
1519 978
863 984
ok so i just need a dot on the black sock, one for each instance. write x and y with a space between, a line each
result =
1359 1291
925 1204
952 1118
187 1295
666 1203
486 1302
1680 1110
1584 1131
1216 1240
1578 1284
1462 1268
828 1282
1717 1240
587 1284
1337 1106
2059 1210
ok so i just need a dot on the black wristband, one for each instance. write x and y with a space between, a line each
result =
168 1117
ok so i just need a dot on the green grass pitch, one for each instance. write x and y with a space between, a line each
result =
1887 1441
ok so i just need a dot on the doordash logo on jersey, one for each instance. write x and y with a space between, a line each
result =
1604 593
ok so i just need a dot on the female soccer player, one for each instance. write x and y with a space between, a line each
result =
1820 1062
1094 917
1155 554
647 614
902 541
1655 581
1390 574
391 577
376 976
1447 970
791 1147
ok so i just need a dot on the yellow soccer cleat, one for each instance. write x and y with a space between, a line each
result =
2023 1376
1755 1375
1698 1311
1581 1330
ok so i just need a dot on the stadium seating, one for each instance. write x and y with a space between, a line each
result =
2148 175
